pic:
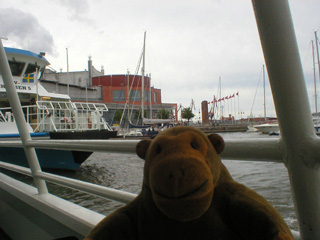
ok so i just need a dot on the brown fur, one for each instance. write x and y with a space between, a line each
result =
188 193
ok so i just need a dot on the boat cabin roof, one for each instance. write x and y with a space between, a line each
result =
23 65
22 52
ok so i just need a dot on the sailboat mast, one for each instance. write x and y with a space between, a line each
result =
150 97
317 43
128 96
220 98
264 94
314 79
142 73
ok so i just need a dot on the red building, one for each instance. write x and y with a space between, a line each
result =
117 89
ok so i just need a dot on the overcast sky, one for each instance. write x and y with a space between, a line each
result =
190 44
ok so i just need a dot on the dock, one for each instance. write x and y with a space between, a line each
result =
223 128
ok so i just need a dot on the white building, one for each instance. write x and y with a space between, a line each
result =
78 85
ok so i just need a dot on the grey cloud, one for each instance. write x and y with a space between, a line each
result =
78 10
25 31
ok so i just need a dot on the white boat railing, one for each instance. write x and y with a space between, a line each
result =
298 148
61 116
2 117
86 187
270 150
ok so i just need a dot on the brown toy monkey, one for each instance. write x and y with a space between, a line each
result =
188 193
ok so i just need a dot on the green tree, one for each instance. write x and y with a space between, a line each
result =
117 116
163 114
137 114
186 113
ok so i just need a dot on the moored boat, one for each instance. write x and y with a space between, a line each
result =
266 128
47 114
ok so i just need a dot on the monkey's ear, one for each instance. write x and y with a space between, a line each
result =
142 147
217 142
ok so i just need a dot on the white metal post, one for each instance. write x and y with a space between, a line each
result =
20 120
301 154
142 73
264 94
314 80
68 91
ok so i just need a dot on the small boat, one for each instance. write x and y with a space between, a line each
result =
274 133
49 115
273 128
251 129
266 128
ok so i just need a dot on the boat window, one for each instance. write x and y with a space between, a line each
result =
3 95
31 68
16 68
24 96
41 72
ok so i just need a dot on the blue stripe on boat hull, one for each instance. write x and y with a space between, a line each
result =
48 158
17 135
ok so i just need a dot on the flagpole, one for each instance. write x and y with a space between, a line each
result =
67 72
234 106
220 98
238 104
231 107
316 42
37 92
36 80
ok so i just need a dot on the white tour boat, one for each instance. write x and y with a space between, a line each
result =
48 115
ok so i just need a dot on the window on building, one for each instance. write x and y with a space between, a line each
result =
135 95
154 97
147 96
118 96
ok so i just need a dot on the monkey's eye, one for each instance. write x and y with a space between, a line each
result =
194 145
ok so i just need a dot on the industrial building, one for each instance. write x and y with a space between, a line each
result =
118 92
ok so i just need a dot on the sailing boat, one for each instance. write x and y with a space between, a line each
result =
145 122
274 127
139 129
148 120
267 127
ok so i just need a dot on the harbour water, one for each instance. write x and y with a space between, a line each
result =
125 172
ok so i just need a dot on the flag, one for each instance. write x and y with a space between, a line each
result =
237 93
233 95
28 78
226 97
